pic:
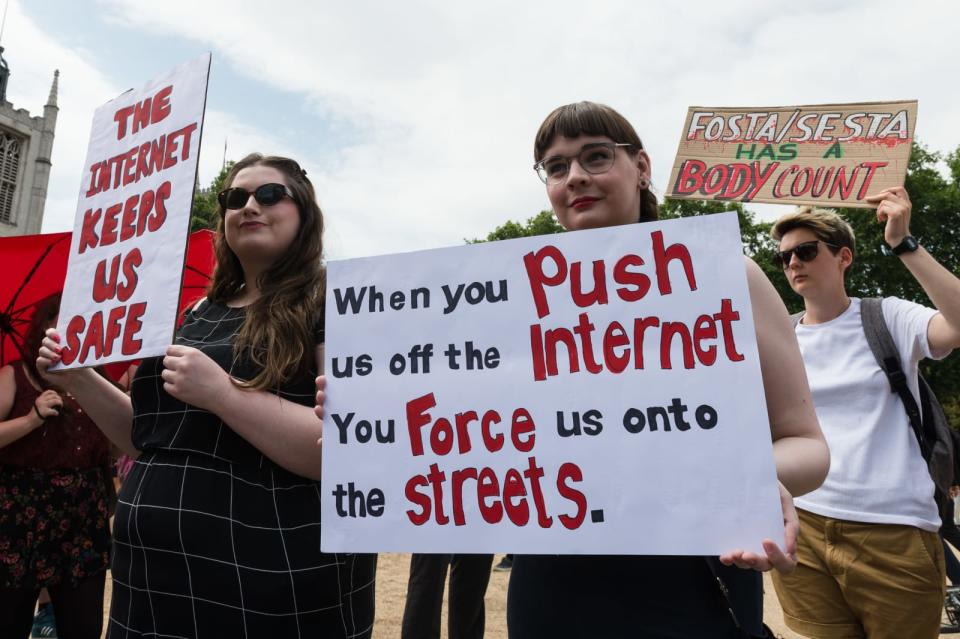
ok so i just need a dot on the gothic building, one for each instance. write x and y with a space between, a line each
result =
26 143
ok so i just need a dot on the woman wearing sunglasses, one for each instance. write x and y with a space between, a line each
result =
877 504
217 533
597 175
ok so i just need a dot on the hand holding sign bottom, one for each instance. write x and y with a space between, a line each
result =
783 560
50 354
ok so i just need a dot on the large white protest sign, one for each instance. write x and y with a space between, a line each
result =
126 257
590 392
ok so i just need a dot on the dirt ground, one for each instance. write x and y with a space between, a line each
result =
392 571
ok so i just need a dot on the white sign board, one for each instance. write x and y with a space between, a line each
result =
133 216
596 392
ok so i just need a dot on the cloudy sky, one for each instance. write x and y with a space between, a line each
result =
415 119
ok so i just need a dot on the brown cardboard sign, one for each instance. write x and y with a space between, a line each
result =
833 154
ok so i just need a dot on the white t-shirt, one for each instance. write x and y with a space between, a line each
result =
877 474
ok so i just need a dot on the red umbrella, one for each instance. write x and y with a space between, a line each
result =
34 266
198 268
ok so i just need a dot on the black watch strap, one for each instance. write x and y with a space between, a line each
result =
908 245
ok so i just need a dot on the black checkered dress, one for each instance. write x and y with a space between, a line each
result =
211 538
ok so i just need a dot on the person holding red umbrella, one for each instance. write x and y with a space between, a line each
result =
54 498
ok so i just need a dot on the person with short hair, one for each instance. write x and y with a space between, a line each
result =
870 563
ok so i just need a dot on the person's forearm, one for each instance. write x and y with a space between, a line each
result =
800 451
107 406
940 285
802 463
284 431
13 429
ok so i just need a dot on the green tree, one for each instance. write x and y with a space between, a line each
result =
204 215
543 223
753 233
935 222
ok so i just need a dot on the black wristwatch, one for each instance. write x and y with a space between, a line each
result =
908 245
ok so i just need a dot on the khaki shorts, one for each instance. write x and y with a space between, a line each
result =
858 580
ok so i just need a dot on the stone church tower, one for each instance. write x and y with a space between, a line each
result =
26 144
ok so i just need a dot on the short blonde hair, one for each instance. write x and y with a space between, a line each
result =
826 224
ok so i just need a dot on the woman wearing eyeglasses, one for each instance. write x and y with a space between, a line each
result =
877 507
217 531
597 174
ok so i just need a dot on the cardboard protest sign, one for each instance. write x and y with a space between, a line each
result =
133 216
589 392
834 155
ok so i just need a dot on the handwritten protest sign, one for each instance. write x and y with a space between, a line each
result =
589 392
126 257
834 154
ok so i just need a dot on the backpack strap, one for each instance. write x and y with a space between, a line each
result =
796 317
885 352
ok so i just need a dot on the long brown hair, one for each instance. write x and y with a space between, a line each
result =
45 311
278 331
591 118
44 314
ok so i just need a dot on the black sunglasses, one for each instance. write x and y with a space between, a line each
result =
805 251
265 194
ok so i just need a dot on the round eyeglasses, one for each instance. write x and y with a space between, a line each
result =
594 158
